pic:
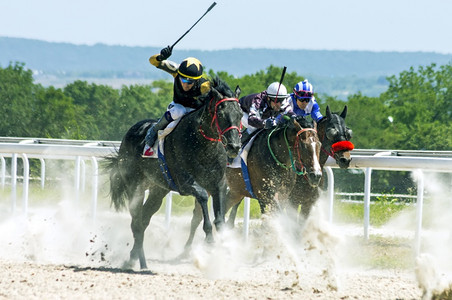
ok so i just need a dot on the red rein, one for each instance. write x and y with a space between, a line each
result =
215 119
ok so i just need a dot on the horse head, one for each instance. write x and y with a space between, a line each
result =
307 150
225 117
336 137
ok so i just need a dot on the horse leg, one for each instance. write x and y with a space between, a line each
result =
135 210
232 215
141 216
201 196
233 199
219 204
195 220
311 195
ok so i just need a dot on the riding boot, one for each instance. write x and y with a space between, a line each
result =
151 135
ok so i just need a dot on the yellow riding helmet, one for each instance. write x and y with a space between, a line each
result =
190 68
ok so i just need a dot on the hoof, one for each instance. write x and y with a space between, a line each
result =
209 240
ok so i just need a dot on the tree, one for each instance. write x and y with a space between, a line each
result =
16 95
420 107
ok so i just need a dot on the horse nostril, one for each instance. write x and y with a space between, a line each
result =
314 178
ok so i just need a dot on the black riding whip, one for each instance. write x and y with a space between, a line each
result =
281 80
211 6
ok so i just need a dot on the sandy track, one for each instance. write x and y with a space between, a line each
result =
183 281
56 253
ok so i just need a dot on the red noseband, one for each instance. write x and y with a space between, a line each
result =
342 145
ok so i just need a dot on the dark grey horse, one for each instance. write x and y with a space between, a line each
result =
196 155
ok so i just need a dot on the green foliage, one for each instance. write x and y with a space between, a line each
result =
414 113
259 81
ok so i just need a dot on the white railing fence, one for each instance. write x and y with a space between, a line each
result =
81 151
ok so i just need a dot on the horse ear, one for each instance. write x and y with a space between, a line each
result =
328 112
344 112
237 91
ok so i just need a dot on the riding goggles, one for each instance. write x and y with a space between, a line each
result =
275 99
302 95
187 80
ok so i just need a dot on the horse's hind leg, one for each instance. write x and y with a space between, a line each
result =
141 216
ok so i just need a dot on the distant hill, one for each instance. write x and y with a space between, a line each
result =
336 73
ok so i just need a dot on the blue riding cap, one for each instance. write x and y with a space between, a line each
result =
304 86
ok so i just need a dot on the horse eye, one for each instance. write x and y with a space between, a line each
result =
348 133
331 133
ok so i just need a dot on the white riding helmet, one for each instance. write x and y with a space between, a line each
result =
273 92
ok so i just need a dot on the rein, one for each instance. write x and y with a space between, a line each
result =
215 120
292 161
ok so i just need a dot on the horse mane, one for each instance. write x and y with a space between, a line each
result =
220 86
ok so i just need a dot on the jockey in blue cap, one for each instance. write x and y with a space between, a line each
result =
303 101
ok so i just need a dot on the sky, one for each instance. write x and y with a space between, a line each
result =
384 25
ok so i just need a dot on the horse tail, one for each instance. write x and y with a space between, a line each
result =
118 185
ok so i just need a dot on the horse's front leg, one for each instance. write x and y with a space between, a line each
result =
219 204
196 219
201 197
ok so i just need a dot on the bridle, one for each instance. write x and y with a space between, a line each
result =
335 147
215 122
296 147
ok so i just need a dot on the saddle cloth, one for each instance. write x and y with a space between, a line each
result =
243 155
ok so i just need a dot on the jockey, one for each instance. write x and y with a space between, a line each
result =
188 86
303 101
262 110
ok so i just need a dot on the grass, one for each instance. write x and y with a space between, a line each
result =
380 212
381 252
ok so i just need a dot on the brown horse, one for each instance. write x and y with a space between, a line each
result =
335 137
276 159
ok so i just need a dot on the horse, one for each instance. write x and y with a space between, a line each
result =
335 138
194 163
276 159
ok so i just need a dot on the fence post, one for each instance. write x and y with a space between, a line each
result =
419 208
367 182
246 217
3 171
25 183
330 175
94 187
43 172
168 207
13 182
77 179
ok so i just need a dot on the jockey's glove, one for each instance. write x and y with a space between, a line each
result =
269 123
164 53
